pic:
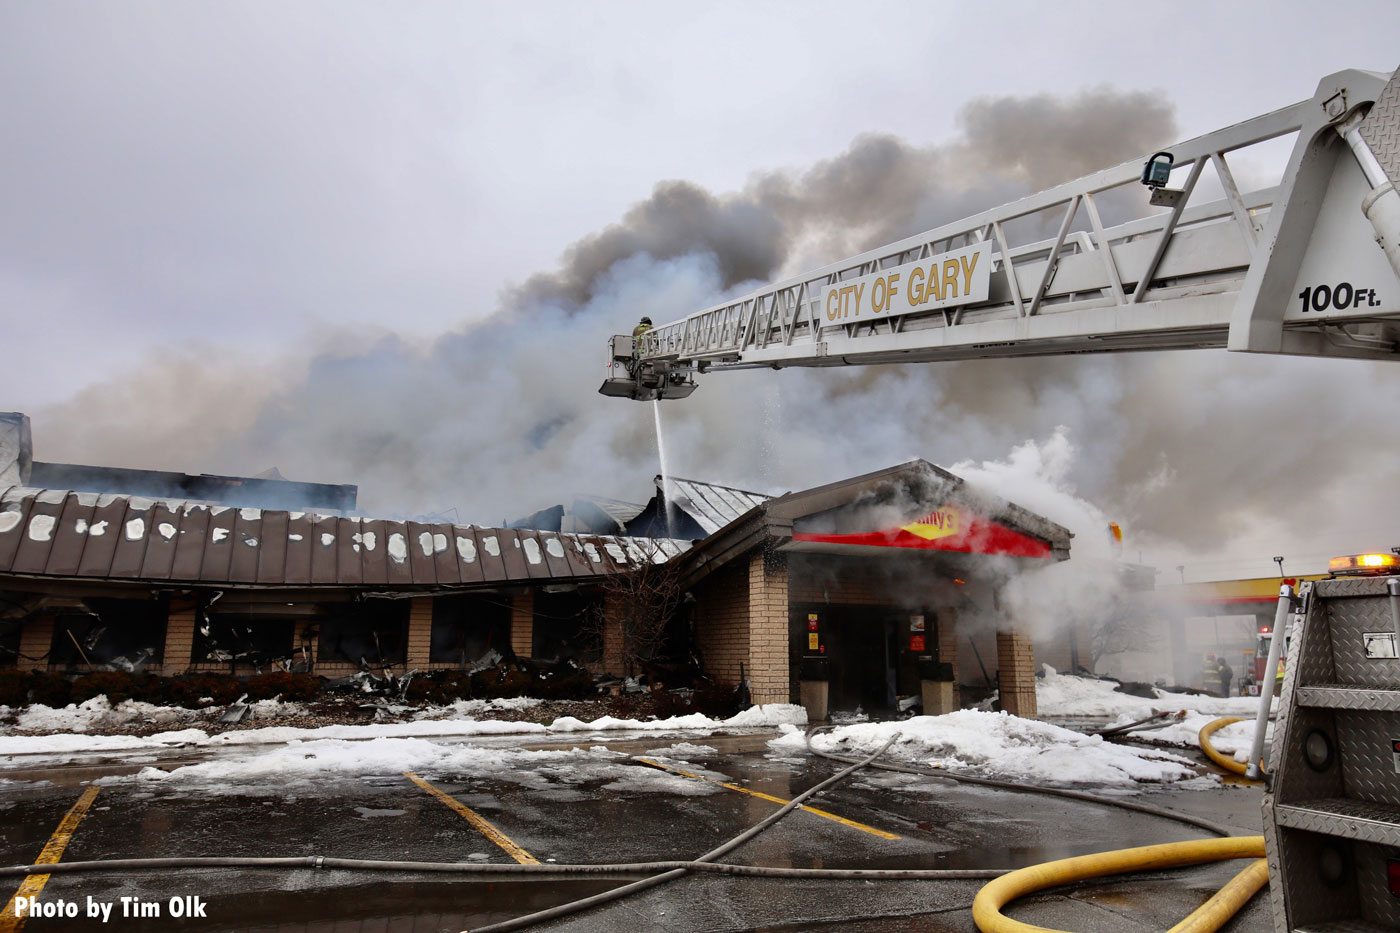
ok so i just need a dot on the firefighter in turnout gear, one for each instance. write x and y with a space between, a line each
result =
642 327
1210 676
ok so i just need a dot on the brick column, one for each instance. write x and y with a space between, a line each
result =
420 631
613 609
300 638
35 639
179 639
948 647
1016 673
522 623
768 629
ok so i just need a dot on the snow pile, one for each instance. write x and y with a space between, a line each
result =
1232 740
273 770
1065 695
77 742
1001 745
99 713
683 751
466 709
757 716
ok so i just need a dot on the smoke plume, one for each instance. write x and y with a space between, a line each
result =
1191 452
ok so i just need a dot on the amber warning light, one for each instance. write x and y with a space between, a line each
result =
1363 563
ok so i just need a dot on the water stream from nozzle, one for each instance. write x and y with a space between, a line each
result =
665 470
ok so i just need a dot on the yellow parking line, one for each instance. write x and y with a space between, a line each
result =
753 793
53 851
476 819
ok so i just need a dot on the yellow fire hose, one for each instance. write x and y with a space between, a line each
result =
1210 916
1203 737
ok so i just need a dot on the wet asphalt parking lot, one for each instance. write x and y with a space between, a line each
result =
587 801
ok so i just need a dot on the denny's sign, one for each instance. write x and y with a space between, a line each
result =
947 528
955 278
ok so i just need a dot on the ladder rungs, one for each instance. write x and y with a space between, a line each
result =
1344 817
1345 696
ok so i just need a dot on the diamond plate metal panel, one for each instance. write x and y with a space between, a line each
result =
1294 781
1277 909
1346 926
1378 905
1367 762
1349 617
1303 898
1381 129
1344 818
1335 696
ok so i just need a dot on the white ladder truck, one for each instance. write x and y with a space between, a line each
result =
1307 267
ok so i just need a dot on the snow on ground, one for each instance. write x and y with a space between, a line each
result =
283 768
465 709
99 714
1232 740
78 719
1063 695
1001 745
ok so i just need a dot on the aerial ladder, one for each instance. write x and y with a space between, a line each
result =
1291 268
1307 267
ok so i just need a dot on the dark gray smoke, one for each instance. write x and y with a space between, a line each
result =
501 418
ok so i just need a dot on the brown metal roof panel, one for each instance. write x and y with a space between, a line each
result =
272 547
133 537
396 549
422 563
349 551
527 544
14 515
299 544
511 554
554 557
491 554
614 556
584 550
325 548
372 539
162 539
247 546
102 533
32 556
219 545
70 537
191 542
445 559
567 545
467 553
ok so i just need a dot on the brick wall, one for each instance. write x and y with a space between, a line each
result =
768 629
420 632
522 623
35 639
948 646
722 622
612 659
179 639
1016 667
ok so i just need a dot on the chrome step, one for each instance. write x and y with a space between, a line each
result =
1346 696
1344 817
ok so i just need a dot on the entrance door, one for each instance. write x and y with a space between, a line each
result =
866 648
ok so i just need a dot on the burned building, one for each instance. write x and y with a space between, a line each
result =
876 583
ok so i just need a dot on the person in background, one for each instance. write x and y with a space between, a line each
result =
1210 676
642 327
1227 674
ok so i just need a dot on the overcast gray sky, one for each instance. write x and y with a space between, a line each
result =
205 202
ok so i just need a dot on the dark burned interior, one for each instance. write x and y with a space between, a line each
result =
124 633
564 626
469 630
